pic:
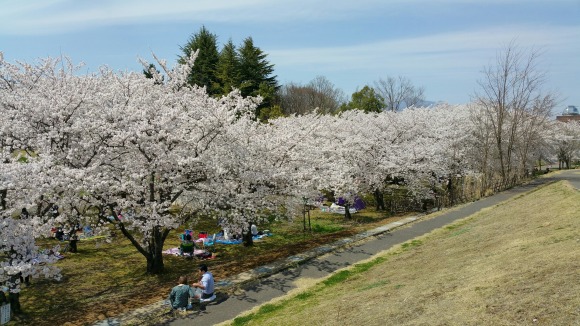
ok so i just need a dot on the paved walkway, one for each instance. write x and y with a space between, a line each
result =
267 282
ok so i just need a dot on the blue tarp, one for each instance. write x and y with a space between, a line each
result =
222 241
358 203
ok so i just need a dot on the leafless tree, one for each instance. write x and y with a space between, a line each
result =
399 93
515 110
319 94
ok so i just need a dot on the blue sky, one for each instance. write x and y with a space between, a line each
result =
442 45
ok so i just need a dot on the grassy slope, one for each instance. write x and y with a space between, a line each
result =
506 265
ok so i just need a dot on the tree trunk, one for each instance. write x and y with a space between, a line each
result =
247 238
347 211
155 263
451 191
379 200
14 299
72 245
153 253
3 193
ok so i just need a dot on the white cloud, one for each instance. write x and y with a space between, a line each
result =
449 49
31 17
19 7
448 64
43 17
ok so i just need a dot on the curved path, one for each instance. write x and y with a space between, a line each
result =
572 176
268 282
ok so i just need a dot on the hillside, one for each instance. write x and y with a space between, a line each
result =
514 264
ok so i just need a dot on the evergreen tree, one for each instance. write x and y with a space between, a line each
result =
204 69
270 113
256 74
149 73
366 100
228 68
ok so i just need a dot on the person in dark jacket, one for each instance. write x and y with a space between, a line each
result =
180 294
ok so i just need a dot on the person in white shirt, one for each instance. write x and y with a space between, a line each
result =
254 230
206 284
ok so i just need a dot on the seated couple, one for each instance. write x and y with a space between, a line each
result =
181 295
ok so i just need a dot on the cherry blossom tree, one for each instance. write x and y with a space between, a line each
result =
22 259
419 146
440 150
564 140
157 170
259 172
117 141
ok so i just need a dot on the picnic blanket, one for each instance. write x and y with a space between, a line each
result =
175 251
261 236
223 241
196 252
254 238
337 209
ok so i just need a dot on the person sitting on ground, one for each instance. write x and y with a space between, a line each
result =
254 230
231 236
59 234
186 247
206 284
180 294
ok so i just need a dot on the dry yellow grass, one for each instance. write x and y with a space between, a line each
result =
515 264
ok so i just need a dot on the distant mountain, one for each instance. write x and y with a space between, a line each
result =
421 104
428 103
